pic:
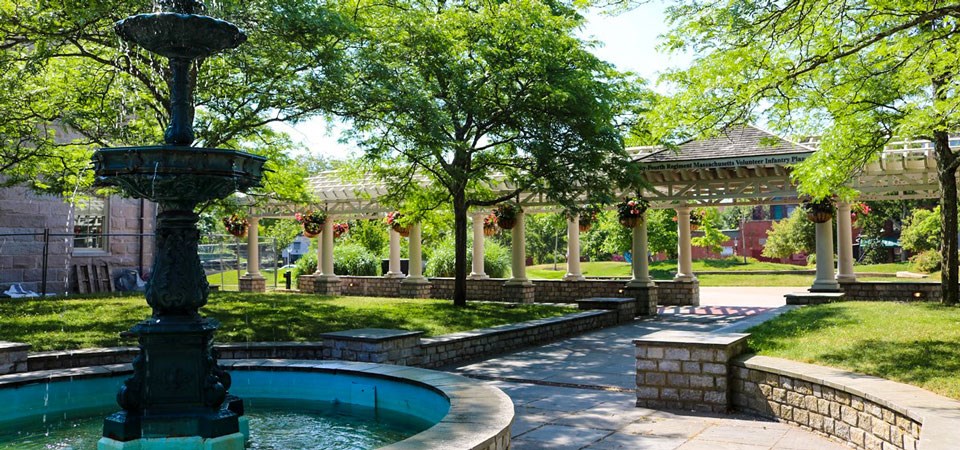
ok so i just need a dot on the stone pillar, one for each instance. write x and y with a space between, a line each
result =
573 250
252 281
478 241
394 266
641 287
825 281
844 244
415 285
684 251
518 288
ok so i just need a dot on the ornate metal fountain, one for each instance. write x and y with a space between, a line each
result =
178 390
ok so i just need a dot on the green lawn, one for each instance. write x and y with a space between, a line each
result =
914 343
54 324
664 270
228 280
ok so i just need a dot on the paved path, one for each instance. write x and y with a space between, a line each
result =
578 393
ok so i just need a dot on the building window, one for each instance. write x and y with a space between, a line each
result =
89 226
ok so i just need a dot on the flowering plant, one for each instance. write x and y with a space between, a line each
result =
393 221
312 221
340 228
490 225
859 209
236 225
632 208
506 214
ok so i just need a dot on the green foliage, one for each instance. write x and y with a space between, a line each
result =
306 265
283 231
354 259
732 216
712 238
372 235
546 236
927 261
496 260
790 236
921 231
662 234
69 86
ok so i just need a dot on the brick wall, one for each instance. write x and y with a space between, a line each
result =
897 291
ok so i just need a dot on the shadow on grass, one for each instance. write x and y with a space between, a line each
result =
778 333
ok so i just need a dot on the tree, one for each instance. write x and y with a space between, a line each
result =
713 238
787 237
662 234
69 86
921 231
452 93
856 73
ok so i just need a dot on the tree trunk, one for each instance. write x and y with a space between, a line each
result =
947 175
460 241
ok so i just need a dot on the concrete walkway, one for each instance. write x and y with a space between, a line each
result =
579 393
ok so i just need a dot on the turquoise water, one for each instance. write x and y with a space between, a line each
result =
274 425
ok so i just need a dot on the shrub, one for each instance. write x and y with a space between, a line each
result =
306 265
354 259
926 261
496 260
348 259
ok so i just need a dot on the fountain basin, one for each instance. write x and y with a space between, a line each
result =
176 174
465 413
176 35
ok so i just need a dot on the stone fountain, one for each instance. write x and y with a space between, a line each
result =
178 396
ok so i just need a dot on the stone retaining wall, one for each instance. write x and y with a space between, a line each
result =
897 291
669 292
427 352
786 391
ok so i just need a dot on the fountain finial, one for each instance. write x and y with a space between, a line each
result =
182 6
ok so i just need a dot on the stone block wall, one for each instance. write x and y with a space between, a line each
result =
13 357
490 289
686 370
771 389
896 291
251 284
370 286
559 291
626 308
678 293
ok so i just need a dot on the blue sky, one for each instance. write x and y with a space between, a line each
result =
628 40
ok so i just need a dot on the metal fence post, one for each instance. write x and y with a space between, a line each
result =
45 259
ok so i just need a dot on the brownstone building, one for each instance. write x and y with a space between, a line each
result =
50 244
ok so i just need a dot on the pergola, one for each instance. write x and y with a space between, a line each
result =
744 166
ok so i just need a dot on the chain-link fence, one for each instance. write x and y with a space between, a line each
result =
225 259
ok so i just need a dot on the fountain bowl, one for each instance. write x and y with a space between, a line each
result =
180 36
177 175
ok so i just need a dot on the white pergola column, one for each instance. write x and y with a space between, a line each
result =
825 280
844 244
253 247
573 250
478 241
319 256
684 250
518 252
394 270
326 239
640 265
416 256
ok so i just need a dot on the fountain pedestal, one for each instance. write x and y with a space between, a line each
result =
178 396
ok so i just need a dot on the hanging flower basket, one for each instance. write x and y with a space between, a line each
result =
859 209
312 222
236 225
393 221
490 225
820 211
506 214
587 218
629 211
339 229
